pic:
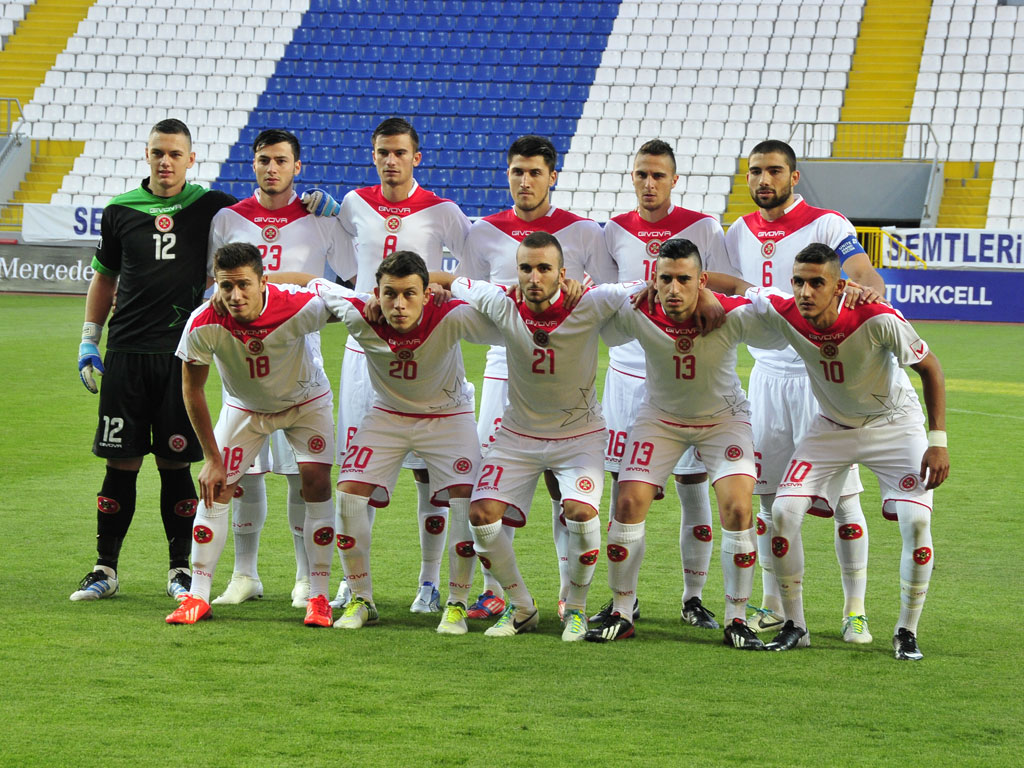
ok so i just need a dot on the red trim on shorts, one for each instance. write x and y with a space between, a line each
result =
894 518
822 499
496 378
736 474
325 463
511 523
433 498
624 373
551 439
842 426
657 496
354 350
579 501
421 415
702 426
275 413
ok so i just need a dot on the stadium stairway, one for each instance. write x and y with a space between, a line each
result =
965 192
884 74
31 51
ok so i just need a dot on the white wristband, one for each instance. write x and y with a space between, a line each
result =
92 332
937 438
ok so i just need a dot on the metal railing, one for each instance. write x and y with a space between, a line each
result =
891 142
888 251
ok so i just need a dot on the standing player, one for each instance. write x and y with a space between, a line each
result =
490 254
634 240
422 404
153 259
290 240
553 422
398 214
693 399
273 380
761 248
869 413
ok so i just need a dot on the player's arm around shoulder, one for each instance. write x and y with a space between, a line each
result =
751 328
935 462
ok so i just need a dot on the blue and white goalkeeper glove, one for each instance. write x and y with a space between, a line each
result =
320 203
89 360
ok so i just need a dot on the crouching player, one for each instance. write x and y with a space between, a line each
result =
693 398
421 404
870 414
272 381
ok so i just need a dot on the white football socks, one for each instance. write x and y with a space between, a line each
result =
626 545
771 600
354 544
695 537
739 553
433 521
561 536
248 516
788 554
296 521
318 539
851 538
461 553
495 551
583 549
209 535
916 561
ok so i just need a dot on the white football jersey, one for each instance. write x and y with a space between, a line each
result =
634 245
856 365
266 365
490 254
423 223
762 253
290 239
692 378
552 358
418 373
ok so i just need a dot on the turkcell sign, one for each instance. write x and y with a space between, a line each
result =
961 248
947 294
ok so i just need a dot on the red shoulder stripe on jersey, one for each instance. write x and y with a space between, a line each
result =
419 200
668 226
513 226
432 317
848 322
251 209
281 306
798 218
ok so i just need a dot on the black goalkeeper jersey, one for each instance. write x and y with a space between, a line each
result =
157 248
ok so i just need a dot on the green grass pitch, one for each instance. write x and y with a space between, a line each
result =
110 684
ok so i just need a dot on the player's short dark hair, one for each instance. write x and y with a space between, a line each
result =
276 136
774 145
819 253
396 126
403 264
543 240
681 248
238 255
171 126
658 148
532 145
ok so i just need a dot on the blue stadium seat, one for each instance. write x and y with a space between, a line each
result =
342 36
472 200
496 199
461 177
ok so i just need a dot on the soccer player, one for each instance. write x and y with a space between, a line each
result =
423 404
553 422
761 247
869 413
693 399
490 254
152 258
290 240
398 214
634 240
273 380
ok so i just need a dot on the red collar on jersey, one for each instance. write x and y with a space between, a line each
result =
846 324
432 316
688 328
417 201
550 318
798 217
671 224
279 306
552 222
251 209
